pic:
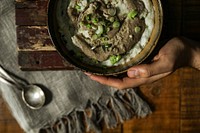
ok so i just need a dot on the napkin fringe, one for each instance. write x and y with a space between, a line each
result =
122 106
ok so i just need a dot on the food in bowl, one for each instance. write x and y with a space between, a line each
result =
110 31
105 36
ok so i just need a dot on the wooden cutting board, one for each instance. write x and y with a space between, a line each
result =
175 100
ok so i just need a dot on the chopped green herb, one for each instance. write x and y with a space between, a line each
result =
78 8
94 37
88 17
132 14
111 19
95 20
89 26
100 30
115 58
104 39
116 24
108 29
137 29
81 23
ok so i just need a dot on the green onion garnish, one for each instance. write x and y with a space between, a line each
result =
115 58
99 30
132 14
78 8
111 19
104 39
95 20
108 29
137 29
94 37
89 26
88 17
116 24
81 23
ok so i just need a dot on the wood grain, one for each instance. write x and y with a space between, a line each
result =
42 60
190 101
34 38
164 98
7 123
177 105
34 43
31 12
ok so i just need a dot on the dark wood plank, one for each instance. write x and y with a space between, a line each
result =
35 46
30 4
34 38
36 51
42 60
31 12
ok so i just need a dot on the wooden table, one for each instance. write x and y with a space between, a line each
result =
175 100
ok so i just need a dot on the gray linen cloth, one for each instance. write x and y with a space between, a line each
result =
75 103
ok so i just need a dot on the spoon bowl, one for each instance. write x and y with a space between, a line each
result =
33 96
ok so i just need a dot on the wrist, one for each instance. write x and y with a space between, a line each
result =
192 53
195 61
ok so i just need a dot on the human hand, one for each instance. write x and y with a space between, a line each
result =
170 57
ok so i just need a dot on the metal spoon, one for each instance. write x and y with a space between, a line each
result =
32 95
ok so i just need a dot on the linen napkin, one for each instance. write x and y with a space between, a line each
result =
74 102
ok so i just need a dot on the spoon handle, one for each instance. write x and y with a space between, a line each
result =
4 77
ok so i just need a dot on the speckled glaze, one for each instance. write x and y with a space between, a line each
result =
114 70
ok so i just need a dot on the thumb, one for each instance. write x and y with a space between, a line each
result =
140 71
148 70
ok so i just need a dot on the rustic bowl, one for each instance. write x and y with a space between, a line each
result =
68 55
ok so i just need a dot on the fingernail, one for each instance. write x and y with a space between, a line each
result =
133 73
87 73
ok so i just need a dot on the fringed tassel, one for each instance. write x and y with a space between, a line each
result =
110 112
